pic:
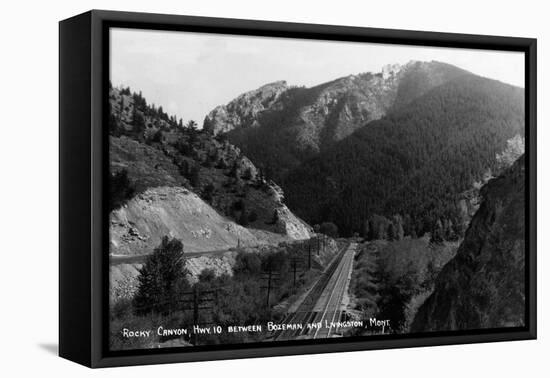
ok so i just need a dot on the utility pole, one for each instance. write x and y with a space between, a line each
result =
197 301
269 286
296 261
195 311
271 277
309 255
294 269
195 305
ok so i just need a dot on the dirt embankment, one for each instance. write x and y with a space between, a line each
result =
138 227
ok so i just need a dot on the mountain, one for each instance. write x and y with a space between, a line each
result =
173 179
416 161
278 127
483 286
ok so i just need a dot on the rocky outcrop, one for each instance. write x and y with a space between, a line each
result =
220 265
138 227
329 112
470 200
289 224
483 286
515 147
243 111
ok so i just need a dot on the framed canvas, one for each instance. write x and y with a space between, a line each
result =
235 188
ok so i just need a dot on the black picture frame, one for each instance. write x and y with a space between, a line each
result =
83 266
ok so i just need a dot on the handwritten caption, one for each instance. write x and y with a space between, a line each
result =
254 328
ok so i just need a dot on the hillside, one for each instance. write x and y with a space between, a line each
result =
278 127
138 227
483 286
154 157
417 161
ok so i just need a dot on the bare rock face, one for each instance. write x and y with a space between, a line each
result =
243 111
483 286
470 199
515 147
290 225
220 265
123 282
329 112
139 226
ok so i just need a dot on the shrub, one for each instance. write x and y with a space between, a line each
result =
194 176
252 217
243 219
208 192
329 229
247 264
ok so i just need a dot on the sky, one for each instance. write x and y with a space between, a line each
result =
189 74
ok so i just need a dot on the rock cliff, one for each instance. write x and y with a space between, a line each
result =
483 286
243 111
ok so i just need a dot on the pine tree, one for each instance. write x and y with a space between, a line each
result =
391 232
191 125
243 218
114 127
399 231
366 229
121 189
208 193
162 279
437 233
194 176
138 122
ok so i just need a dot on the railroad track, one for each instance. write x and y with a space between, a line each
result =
330 311
323 301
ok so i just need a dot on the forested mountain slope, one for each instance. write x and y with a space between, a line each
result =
278 127
415 161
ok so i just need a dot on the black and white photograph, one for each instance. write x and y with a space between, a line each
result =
267 190
281 189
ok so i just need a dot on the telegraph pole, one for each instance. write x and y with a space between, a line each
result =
195 305
294 268
270 277
269 286
195 311
309 256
